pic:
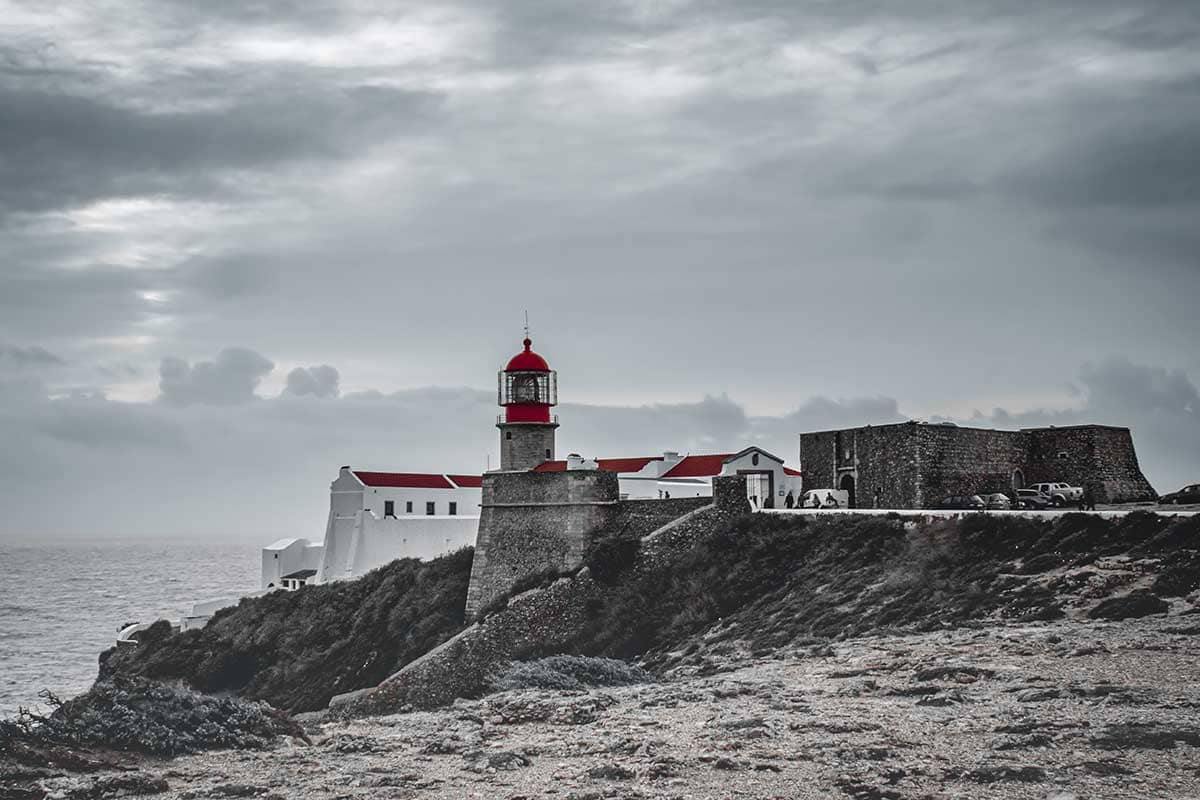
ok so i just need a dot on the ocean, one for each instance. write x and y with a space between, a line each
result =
62 602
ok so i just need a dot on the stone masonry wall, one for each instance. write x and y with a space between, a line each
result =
1099 456
640 517
956 461
887 466
913 465
533 521
881 459
524 445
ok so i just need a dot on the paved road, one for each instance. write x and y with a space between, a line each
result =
928 513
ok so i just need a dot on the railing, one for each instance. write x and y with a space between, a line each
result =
500 419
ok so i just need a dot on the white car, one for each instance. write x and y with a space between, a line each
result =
1060 494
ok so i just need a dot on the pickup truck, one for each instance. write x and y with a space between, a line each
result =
1060 494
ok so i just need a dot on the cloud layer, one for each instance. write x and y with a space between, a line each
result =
211 456
925 208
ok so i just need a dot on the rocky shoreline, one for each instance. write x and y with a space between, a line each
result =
1062 709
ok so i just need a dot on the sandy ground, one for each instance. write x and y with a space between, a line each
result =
1055 710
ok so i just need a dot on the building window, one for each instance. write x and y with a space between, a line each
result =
508 434
408 507
547 453
429 509
389 508
453 509
754 459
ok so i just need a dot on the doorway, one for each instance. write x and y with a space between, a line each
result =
1018 479
847 485
760 483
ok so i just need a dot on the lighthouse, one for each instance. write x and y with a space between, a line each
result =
526 390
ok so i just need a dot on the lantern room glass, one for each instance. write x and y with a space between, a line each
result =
521 387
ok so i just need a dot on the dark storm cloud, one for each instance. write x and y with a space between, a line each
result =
62 150
33 356
44 303
319 381
228 380
1140 150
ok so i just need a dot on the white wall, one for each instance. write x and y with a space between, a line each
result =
468 500
356 545
287 556
783 482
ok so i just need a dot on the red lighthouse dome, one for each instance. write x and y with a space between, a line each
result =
527 388
527 360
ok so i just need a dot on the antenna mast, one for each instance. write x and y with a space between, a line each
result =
527 323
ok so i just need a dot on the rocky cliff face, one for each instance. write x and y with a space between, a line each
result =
297 649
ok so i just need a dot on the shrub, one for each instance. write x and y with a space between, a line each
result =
148 717
609 556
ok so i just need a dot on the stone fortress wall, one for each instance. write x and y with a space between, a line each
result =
915 465
533 521
530 522
1101 455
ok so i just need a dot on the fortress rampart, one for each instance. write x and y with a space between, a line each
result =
915 465
530 522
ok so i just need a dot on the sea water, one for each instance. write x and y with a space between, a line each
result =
62 602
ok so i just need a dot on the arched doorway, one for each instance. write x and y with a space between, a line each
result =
1018 479
847 484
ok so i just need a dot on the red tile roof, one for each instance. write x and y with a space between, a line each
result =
698 466
467 481
404 480
610 464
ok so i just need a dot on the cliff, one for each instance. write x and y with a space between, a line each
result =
295 650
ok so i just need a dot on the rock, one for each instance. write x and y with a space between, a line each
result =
863 791
105 786
237 790
610 772
1039 695
1146 736
994 774
1140 603
485 760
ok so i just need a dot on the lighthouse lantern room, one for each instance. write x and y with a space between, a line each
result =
526 389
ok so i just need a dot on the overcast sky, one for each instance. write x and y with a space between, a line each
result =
242 243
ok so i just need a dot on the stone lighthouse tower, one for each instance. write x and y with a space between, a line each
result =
527 390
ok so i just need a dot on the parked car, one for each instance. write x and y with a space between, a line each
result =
825 498
965 502
997 502
1188 494
1060 494
1032 500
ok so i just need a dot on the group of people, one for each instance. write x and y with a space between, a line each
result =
814 501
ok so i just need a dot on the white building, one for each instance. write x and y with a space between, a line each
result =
768 481
377 517
374 518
